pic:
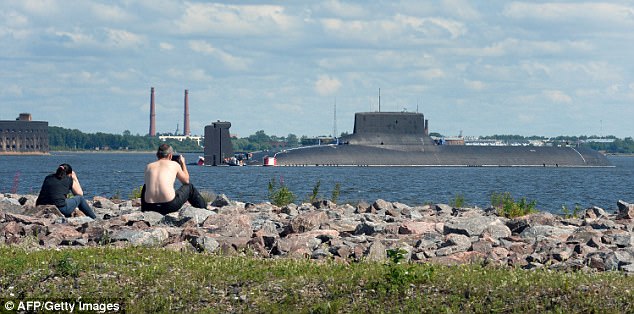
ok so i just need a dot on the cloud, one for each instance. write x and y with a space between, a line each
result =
557 96
166 46
234 20
326 85
475 85
604 12
346 10
230 61
109 13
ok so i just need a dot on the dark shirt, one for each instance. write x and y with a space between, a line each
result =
54 191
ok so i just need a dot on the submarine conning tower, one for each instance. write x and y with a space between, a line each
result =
394 130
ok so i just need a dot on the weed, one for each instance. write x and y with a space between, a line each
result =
458 201
398 275
117 195
510 208
136 193
335 193
66 266
314 196
280 195
567 214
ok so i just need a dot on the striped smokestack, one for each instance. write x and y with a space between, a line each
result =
186 122
152 114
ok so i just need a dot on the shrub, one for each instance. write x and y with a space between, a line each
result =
280 195
335 193
314 196
136 193
458 201
508 207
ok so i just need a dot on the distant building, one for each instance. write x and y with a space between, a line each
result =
23 135
181 138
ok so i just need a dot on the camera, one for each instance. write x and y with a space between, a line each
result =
176 158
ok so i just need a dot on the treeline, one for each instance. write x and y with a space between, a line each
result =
67 139
609 144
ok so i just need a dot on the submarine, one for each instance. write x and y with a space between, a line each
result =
402 139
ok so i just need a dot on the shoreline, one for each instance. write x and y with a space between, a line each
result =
592 239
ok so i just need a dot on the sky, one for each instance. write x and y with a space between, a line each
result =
478 67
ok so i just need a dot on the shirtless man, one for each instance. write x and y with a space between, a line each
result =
158 192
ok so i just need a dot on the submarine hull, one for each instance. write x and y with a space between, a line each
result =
402 139
468 156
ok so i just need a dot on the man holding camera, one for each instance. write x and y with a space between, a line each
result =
158 192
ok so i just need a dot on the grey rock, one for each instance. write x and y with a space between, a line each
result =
540 231
472 226
221 201
149 237
291 210
454 243
377 252
198 215
205 244
307 221
625 210
382 205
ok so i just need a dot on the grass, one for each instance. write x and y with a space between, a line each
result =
157 280
509 208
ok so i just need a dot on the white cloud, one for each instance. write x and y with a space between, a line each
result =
109 13
326 85
461 8
475 85
166 46
604 12
346 10
557 96
232 20
232 62
122 38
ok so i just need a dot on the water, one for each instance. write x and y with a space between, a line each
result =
109 174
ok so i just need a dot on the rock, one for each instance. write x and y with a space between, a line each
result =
419 227
376 252
382 205
625 210
454 243
221 201
471 226
229 225
307 221
205 244
102 202
541 231
595 212
198 215
43 211
442 209
148 237
150 217
290 209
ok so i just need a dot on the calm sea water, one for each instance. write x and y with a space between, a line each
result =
107 174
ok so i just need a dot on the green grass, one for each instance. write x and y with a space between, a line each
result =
509 208
157 280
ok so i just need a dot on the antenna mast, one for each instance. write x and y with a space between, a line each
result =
379 100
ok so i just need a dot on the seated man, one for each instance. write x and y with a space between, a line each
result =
158 192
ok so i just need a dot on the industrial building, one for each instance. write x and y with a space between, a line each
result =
23 136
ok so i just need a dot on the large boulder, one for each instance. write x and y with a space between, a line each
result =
625 210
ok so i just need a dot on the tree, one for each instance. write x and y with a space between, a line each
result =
292 140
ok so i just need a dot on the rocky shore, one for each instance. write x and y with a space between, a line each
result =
596 240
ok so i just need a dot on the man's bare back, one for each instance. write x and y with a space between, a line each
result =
160 177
